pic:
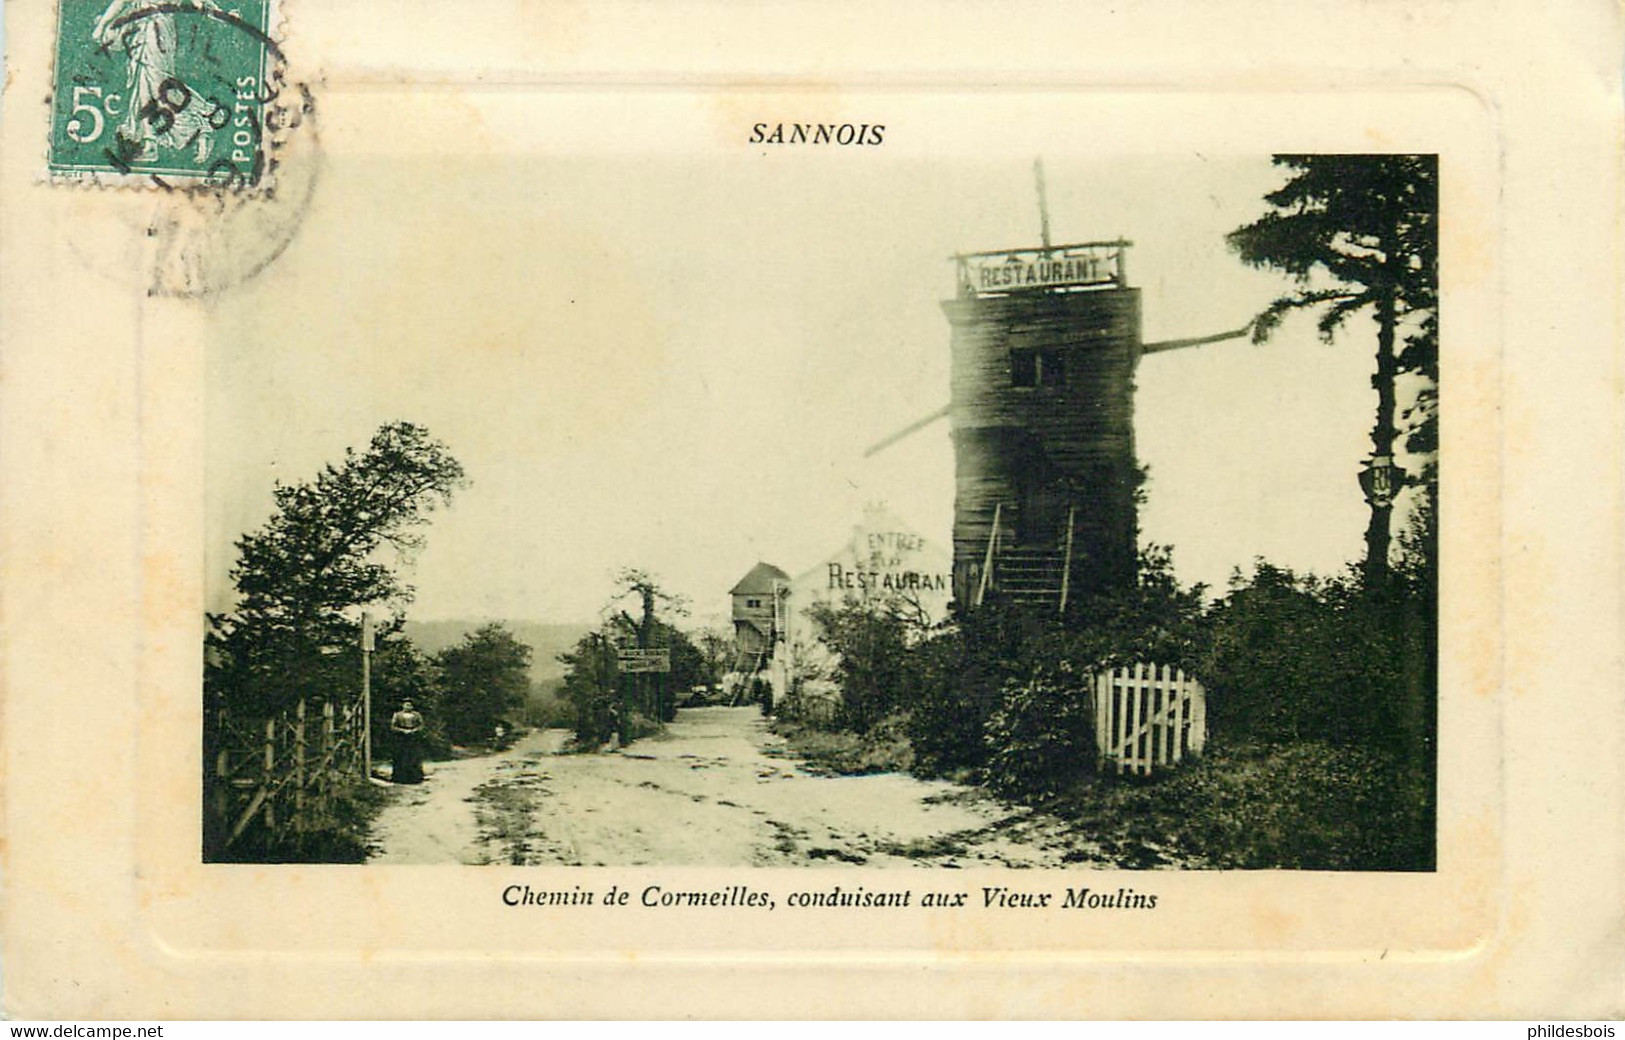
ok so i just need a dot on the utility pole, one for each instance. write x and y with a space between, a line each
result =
1043 202
623 723
366 694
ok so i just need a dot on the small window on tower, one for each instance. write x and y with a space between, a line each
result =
1024 368
1037 368
753 603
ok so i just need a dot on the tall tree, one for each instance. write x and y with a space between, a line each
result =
655 690
592 684
1359 233
483 679
325 553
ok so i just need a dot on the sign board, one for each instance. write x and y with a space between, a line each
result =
654 659
1061 267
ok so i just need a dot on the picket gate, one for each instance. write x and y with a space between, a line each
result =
1147 716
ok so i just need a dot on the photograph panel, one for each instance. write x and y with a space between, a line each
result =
1013 511
559 535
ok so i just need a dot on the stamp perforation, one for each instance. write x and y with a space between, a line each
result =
149 40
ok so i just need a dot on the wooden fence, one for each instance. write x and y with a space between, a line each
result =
281 776
1147 716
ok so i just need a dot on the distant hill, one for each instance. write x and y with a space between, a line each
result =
545 640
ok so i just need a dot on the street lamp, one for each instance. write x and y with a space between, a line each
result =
1380 479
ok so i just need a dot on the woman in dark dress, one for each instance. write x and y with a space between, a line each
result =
407 727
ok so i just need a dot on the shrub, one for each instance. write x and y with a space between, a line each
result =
548 708
805 706
957 683
1300 658
341 839
1041 739
482 680
592 687
962 677
871 668
1155 619
641 725
1306 805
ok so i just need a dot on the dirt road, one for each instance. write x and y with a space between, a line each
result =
715 789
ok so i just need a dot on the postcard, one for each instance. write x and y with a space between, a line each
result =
522 510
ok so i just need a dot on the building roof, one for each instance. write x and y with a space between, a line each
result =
759 581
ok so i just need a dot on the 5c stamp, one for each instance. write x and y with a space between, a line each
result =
163 91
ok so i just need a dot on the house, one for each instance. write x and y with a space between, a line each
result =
756 621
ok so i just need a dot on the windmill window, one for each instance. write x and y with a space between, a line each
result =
753 603
1030 367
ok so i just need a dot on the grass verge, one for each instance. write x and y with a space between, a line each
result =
884 749
343 840
1300 806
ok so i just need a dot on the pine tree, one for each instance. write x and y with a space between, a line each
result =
1360 233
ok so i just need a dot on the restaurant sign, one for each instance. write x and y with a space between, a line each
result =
1058 268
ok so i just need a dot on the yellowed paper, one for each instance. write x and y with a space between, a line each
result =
495 212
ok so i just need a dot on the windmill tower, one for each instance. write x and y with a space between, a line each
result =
1041 412
1044 344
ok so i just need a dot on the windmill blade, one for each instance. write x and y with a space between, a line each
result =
1149 348
1176 344
916 425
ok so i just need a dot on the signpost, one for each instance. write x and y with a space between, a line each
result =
653 661
634 660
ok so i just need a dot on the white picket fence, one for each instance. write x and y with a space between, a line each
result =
1147 716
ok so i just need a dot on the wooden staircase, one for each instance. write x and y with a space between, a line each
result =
1030 577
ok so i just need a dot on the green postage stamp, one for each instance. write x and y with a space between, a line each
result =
158 91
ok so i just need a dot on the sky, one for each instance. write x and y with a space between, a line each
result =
676 361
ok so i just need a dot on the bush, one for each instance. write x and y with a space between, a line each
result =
1155 619
483 679
958 679
342 840
962 677
641 726
1299 658
871 669
951 706
813 709
761 694
1289 661
1306 805
1041 740
592 687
